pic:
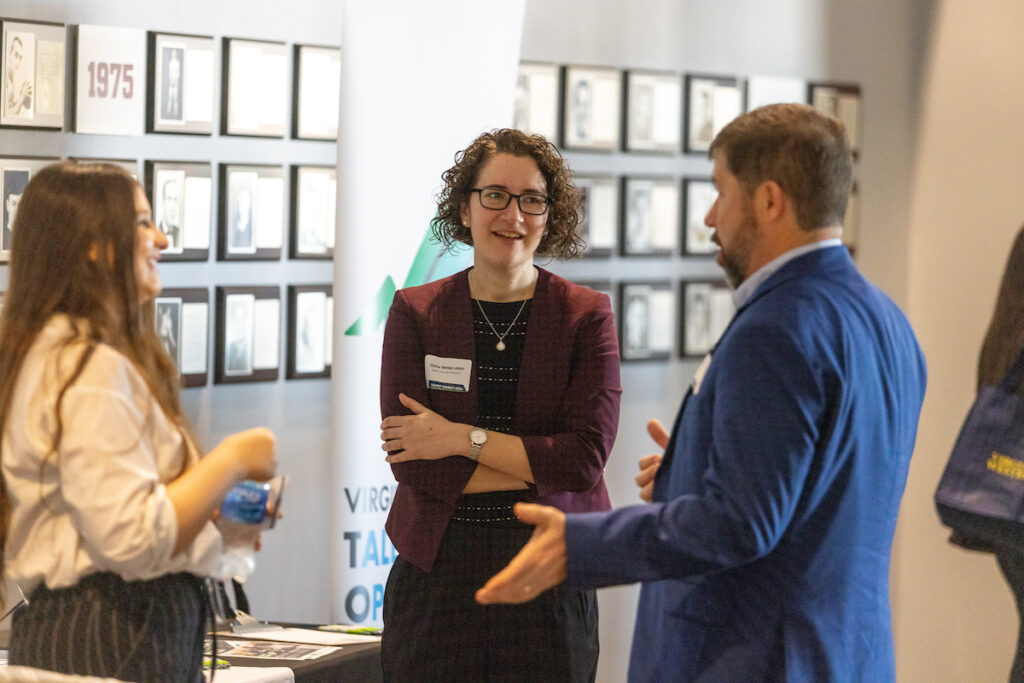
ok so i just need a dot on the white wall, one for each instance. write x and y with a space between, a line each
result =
955 619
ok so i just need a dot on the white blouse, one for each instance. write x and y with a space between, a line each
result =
100 502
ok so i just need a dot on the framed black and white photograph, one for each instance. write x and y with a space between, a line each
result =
764 90
181 194
181 69
251 213
711 102
15 173
698 196
33 58
840 101
646 320
538 86
310 316
248 334
706 309
182 318
600 213
255 92
592 106
110 80
654 111
650 216
314 200
851 222
317 85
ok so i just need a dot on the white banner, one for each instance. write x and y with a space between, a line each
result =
418 83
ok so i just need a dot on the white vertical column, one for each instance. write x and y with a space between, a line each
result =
419 81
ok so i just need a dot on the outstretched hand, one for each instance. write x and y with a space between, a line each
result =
424 435
541 563
649 464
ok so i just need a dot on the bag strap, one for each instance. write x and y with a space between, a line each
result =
1014 376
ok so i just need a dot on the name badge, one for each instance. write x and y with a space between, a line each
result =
698 376
447 374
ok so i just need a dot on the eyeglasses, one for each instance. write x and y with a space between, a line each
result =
498 200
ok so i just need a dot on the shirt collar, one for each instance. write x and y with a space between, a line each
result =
751 284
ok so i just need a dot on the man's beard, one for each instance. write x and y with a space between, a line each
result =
736 260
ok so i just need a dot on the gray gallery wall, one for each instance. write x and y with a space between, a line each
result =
882 45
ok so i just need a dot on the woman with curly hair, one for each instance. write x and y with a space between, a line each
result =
105 506
498 384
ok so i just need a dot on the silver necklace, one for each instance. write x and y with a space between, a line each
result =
501 337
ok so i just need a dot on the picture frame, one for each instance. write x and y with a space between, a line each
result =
248 332
255 94
711 102
110 80
251 212
760 91
313 212
130 166
654 112
599 222
32 85
592 108
646 320
181 71
310 331
181 196
316 99
706 307
698 196
649 224
15 172
840 101
182 319
538 88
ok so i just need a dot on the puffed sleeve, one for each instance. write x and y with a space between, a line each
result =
402 372
573 458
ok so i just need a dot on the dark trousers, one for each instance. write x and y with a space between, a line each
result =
1012 564
435 631
106 626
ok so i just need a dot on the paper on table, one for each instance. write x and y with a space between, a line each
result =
304 635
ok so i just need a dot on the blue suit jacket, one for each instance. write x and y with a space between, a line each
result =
765 553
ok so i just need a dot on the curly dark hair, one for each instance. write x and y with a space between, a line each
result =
562 240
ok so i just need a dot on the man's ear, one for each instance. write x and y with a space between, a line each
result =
770 201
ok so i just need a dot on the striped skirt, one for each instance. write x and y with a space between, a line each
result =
106 626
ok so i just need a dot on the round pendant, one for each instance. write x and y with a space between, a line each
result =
500 345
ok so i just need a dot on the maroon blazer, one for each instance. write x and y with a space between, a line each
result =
567 401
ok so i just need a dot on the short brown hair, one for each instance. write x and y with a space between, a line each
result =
801 149
562 239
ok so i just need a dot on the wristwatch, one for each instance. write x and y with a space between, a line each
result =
477 439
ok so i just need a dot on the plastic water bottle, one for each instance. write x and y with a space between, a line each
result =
241 516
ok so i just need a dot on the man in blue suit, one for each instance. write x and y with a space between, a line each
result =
764 549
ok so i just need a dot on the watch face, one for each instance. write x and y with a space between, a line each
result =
478 436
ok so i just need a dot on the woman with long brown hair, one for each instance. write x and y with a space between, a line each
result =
105 507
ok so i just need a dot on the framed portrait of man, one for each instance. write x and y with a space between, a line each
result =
650 216
592 108
537 99
182 323
15 173
247 333
181 194
181 69
840 101
314 212
646 320
711 102
654 111
32 89
310 335
698 196
600 213
251 212
706 309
